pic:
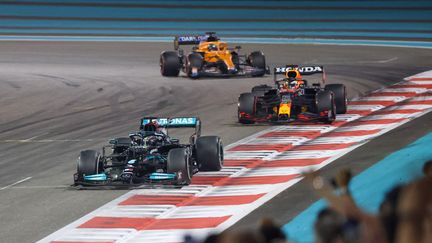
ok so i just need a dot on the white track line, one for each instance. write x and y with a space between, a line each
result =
15 183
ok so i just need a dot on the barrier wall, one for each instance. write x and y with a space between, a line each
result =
401 20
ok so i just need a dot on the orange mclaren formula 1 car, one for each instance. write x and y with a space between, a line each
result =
210 57
293 99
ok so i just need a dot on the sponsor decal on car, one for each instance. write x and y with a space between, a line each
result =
178 121
308 69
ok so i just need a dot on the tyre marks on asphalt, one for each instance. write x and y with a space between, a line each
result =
256 169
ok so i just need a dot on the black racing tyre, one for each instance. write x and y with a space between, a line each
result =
246 104
169 64
210 154
88 163
260 90
194 61
257 60
325 102
178 162
340 97
235 59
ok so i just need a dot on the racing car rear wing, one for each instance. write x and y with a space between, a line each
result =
193 39
174 122
303 70
188 40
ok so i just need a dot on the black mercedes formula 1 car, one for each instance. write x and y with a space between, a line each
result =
293 99
151 156
210 57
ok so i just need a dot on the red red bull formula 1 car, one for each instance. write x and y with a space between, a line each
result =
293 98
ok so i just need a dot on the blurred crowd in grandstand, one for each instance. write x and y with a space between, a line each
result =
405 215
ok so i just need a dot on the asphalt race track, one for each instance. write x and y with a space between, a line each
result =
57 98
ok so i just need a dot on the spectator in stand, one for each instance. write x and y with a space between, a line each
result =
271 232
388 212
246 236
328 226
414 212
427 168
370 228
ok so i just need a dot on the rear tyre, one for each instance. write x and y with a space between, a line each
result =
325 102
340 97
88 163
169 64
194 64
257 60
246 105
178 162
209 150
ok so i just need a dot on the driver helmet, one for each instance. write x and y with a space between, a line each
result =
293 83
212 47
151 128
212 37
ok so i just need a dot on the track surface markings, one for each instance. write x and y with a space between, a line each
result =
15 183
257 168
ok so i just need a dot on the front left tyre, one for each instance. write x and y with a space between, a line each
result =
169 64
194 64
246 107
88 163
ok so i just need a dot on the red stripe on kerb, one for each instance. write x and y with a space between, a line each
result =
417 102
190 201
223 200
424 94
326 146
420 79
302 123
405 94
375 122
118 222
255 180
352 133
153 224
360 112
306 134
401 111
397 86
372 102
257 147
154 200
242 162
187 223
291 162
206 180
